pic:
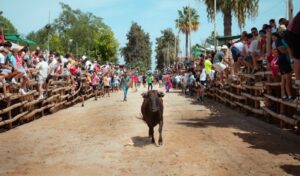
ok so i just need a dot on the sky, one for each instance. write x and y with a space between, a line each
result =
153 15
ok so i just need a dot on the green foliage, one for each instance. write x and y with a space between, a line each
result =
240 8
79 33
40 37
138 49
187 22
8 27
165 49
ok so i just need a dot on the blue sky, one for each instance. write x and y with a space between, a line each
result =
152 15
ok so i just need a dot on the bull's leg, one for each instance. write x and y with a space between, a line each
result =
151 134
161 124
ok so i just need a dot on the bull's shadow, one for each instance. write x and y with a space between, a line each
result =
139 141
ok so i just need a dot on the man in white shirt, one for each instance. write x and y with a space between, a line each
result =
42 67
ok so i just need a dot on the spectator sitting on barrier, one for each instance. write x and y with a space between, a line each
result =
42 67
20 56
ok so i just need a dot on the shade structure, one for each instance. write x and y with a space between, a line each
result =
16 38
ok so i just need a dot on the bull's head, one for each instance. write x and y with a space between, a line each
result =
154 97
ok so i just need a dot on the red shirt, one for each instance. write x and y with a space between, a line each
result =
168 78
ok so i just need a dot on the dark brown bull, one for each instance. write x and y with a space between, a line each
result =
152 111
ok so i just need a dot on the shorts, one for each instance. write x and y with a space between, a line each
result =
81 92
236 53
219 66
41 80
248 58
22 70
203 83
48 78
5 71
94 87
284 67
106 87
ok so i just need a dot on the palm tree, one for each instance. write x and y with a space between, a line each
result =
241 9
187 22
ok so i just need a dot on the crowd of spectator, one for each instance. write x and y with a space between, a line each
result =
21 67
275 47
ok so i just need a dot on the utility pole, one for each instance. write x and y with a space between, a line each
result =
168 59
49 33
1 25
215 24
190 32
290 9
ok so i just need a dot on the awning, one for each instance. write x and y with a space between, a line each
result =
226 38
17 38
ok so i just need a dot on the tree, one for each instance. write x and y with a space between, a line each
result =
165 49
187 22
81 33
138 49
7 26
241 9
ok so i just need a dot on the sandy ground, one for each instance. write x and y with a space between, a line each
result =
106 138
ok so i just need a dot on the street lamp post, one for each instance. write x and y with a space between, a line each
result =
215 24
1 12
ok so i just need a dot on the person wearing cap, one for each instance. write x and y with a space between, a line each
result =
293 40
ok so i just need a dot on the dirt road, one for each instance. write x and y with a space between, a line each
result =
106 138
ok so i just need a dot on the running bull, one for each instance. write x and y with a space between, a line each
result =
152 111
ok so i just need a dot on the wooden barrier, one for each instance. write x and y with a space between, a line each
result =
17 109
258 94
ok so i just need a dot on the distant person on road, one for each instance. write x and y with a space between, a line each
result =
125 83
168 82
107 83
149 80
